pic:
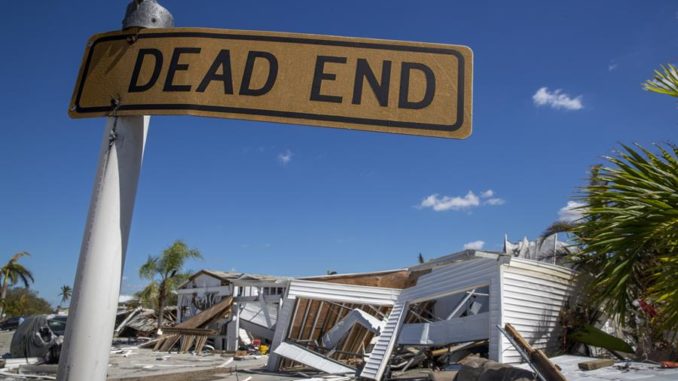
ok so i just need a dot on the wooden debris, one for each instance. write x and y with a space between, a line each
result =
595 364
207 316
547 369
191 332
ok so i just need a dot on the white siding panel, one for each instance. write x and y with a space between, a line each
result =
451 279
381 353
533 296
343 293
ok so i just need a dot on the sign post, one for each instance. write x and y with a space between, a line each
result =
91 320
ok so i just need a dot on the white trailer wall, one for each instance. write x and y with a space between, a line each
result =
533 296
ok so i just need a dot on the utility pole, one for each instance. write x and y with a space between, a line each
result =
91 320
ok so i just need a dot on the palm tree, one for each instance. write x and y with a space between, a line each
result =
13 272
628 235
164 272
66 293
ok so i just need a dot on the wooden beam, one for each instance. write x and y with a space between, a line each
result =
595 364
190 331
537 357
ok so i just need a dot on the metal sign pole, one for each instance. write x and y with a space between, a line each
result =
91 321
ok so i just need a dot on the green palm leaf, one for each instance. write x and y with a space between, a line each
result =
664 82
628 235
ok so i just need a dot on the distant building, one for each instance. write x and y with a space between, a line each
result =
255 305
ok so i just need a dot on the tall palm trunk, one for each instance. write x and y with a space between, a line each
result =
3 295
161 302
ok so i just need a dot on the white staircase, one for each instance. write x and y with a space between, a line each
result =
376 363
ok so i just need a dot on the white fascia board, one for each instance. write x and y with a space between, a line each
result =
260 283
343 293
221 290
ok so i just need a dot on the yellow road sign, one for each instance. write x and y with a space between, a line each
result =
376 85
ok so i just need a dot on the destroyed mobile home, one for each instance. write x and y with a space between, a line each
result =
371 324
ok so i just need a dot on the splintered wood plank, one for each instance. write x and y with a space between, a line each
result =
187 343
200 343
537 357
169 343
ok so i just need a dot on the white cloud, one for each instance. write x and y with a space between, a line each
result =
125 298
470 200
556 99
612 66
285 157
475 245
489 199
571 212
495 201
441 204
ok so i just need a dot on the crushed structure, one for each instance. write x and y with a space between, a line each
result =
353 323
547 249
255 303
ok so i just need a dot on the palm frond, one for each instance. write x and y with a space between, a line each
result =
150 268
630 231
148 297
560 226
19 255
664 82
16 272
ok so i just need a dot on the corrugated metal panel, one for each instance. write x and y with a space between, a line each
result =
376 362
345 293
312 359
451 279
444 332
533 296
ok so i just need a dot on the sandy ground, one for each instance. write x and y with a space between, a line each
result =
127 363
131 363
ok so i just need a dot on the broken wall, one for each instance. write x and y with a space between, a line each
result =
314 308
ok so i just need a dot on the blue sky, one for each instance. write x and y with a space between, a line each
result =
556 87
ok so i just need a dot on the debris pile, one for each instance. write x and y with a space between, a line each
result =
466 316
